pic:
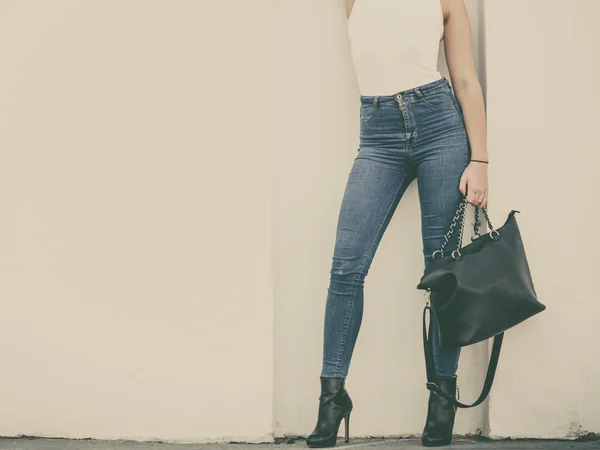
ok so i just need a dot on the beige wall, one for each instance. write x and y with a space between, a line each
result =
543 98
135 240
168 215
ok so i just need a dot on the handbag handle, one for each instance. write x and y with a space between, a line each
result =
429 365
462 206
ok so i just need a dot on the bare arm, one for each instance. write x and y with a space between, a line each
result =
461 65
349 5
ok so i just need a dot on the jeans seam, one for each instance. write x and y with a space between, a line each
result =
456 105
365 257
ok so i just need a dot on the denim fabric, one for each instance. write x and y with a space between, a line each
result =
417 133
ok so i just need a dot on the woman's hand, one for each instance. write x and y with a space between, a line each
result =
475 178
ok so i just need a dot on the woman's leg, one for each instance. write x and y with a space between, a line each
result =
438 176
375 185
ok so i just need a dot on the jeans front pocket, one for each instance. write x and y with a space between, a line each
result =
367 111
439 99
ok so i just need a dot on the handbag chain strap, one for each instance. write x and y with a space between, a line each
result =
429 365
461 210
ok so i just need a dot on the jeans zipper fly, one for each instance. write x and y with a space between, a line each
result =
403 113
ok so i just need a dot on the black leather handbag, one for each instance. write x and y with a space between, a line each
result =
477 292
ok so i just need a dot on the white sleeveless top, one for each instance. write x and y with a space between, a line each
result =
395 44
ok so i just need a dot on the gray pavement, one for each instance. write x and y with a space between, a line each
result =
293 444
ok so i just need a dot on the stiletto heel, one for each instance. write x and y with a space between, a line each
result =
334 405
347 424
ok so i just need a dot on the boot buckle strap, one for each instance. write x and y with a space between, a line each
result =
431 385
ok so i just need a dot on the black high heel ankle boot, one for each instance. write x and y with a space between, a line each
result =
334 404
440 414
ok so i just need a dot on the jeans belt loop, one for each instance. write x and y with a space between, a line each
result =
375 102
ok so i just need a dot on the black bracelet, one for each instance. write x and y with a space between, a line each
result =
477 160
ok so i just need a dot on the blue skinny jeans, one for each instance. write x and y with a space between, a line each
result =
416 133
